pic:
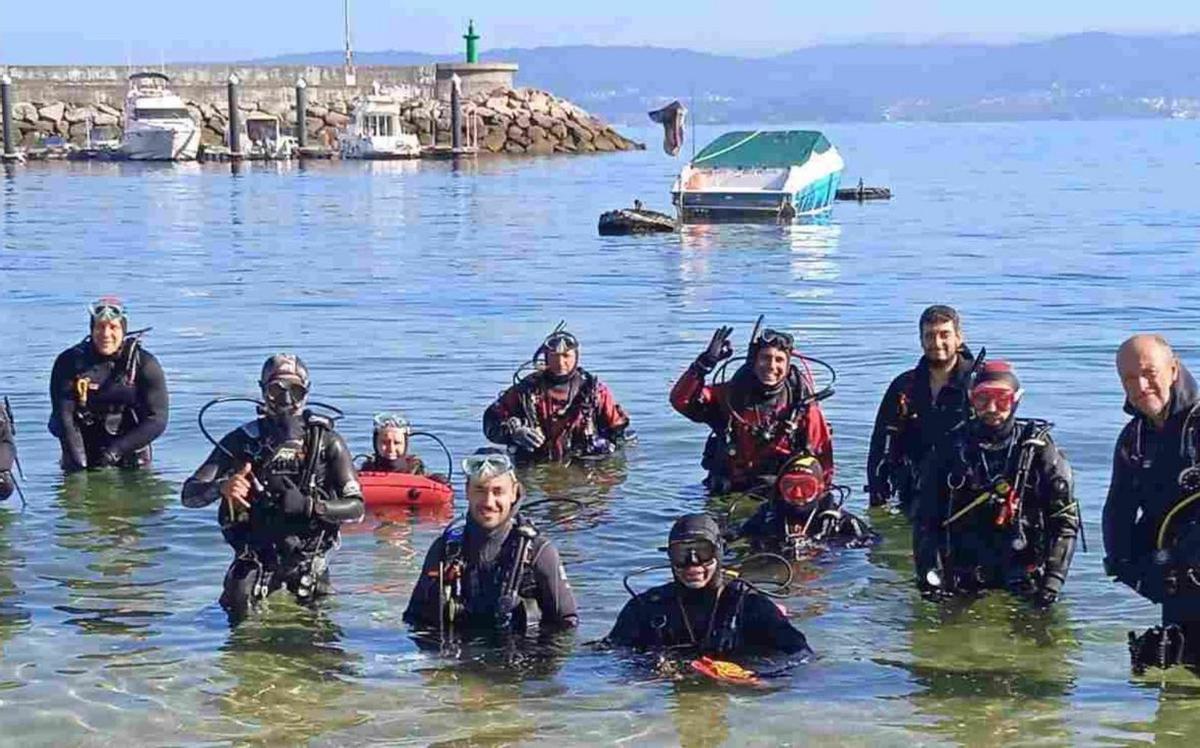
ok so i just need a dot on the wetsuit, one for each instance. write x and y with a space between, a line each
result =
577 414
293 523
755 429
977 547
1151 519
106 410
909 423
8 454
731 619
492 580
777 526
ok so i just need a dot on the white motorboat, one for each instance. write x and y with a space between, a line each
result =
262 138
375 130
759 175
157 124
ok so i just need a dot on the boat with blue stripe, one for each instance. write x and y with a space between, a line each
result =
755 175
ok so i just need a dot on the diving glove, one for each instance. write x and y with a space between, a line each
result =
719 349
528 438
292 500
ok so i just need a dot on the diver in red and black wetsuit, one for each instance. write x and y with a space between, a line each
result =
558 412
766 412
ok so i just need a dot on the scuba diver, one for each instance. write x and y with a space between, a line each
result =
108 394
997 508
286 482
8 451
1151 523
702 608
766 412
803 512
489 573
558 412
389 440
920 408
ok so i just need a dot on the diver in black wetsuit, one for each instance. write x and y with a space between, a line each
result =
919 409
491 574
287 482
1151 517
997 505
803 513
8 452
108 395
700 609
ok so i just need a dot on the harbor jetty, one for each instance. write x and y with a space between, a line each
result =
504 120
73 106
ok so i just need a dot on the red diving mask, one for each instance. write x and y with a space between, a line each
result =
801 482
1000 396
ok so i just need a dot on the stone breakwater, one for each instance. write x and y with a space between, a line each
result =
514 121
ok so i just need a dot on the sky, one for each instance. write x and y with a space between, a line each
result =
150 31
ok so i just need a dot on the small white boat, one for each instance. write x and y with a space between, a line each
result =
157 124
262 138
759 175
375 130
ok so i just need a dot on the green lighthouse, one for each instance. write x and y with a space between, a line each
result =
471 37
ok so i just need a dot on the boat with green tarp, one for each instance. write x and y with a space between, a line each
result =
759 174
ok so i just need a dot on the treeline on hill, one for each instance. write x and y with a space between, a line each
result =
1080 76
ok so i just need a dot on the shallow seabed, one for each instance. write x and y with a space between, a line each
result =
420 286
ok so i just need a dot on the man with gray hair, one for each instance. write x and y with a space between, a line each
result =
1151 517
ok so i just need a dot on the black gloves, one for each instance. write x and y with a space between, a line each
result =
291 499
6 484
719 349
108 458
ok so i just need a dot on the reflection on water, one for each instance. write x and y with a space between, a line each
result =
813 246
117 585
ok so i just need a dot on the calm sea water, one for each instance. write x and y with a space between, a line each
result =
421 286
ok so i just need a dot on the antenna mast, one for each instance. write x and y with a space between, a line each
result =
350 73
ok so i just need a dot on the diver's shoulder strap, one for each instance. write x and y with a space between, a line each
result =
1189 437
252 429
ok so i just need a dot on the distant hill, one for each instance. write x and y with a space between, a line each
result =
1081 76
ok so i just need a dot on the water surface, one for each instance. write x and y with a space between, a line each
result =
422 286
